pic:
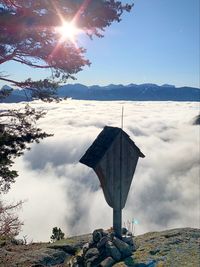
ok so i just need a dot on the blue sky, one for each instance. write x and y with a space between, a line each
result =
158 42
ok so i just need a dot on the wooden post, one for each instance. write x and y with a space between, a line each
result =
117 208
117 222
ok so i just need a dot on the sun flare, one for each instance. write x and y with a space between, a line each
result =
68 31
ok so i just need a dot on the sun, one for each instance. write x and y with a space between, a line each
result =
68 31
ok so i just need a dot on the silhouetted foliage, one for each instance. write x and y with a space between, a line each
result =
10 225
57 234
17 130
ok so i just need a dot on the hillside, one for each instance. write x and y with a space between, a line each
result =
142 92
176 247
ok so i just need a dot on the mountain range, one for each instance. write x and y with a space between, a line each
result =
131 92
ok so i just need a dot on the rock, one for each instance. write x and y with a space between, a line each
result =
46 257
85 248
129 241
54 257
102 242
66 248
93 261
112 251
129 234
124 231
92 244
108 262
124 248
79 259
92 252
97 235
112 235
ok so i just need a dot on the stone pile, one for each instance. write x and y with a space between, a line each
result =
105 249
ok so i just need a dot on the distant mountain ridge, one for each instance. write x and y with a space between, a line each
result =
131 92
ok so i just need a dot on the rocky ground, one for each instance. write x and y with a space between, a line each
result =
173 248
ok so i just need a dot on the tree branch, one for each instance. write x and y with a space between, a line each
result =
32 65
8 80
7 58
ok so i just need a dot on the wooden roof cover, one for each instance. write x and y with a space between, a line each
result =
101 144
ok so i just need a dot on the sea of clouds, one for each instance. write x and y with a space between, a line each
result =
59 191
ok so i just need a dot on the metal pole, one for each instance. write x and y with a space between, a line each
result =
117 222
122 118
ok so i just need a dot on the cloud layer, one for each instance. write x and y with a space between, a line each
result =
61 192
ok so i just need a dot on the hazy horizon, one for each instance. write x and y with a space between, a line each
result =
124 84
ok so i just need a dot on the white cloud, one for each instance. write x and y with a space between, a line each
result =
62 192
